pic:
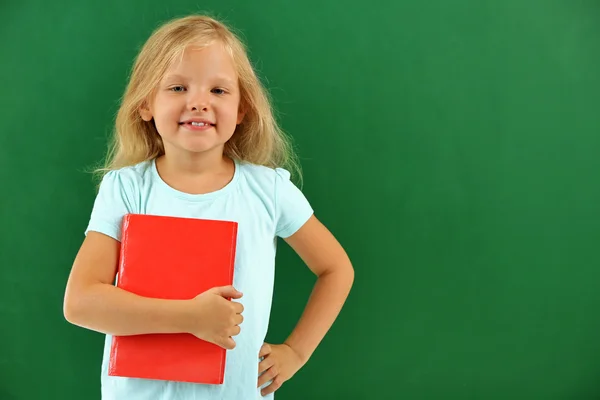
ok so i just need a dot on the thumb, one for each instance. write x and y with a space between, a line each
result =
228 292
264 350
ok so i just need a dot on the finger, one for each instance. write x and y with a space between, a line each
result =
227 343
235 331
276 384
227 292
264 350
238 308
238 319
265 364
269 375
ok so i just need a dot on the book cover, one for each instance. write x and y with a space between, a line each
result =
172 258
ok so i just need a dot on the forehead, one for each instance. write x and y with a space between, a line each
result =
201 62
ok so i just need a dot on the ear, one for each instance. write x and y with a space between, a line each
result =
241 115
145 112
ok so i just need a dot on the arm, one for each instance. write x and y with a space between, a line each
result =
92 301
326 258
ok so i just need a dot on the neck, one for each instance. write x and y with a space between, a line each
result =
195 173
191 165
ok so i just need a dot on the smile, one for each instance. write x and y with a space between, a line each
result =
196 126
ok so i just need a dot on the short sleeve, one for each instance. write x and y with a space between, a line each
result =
292 207
113 201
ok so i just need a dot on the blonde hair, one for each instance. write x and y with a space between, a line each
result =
258 139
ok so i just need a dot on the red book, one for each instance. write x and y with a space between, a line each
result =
172 258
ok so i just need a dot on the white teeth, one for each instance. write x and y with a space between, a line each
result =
199 123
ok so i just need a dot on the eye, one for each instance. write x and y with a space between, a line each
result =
218 91
173 89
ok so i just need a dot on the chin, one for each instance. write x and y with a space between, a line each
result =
199 147
189 144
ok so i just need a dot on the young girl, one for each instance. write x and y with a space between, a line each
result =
195 137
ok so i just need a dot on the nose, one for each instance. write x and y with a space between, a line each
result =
200 101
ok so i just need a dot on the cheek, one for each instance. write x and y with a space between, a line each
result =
168 114
166 124
230 111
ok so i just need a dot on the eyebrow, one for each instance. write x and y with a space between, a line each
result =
177 77
226 80
174 77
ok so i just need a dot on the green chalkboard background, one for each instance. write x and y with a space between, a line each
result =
451 146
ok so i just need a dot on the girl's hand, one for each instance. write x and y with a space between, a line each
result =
213 318
280 363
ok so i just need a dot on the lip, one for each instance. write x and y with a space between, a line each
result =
188 121
194 128
187 124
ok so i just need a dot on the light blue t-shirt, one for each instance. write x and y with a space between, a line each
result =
266 205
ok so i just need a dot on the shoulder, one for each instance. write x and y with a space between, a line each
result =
286 202
264 176
127 178
268 183
124 186
118 194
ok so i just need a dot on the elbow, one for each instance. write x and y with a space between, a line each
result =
346 269
343 272
72 308
350 274
69 310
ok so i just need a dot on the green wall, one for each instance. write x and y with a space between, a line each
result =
451 146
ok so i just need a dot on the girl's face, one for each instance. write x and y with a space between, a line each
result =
202 88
